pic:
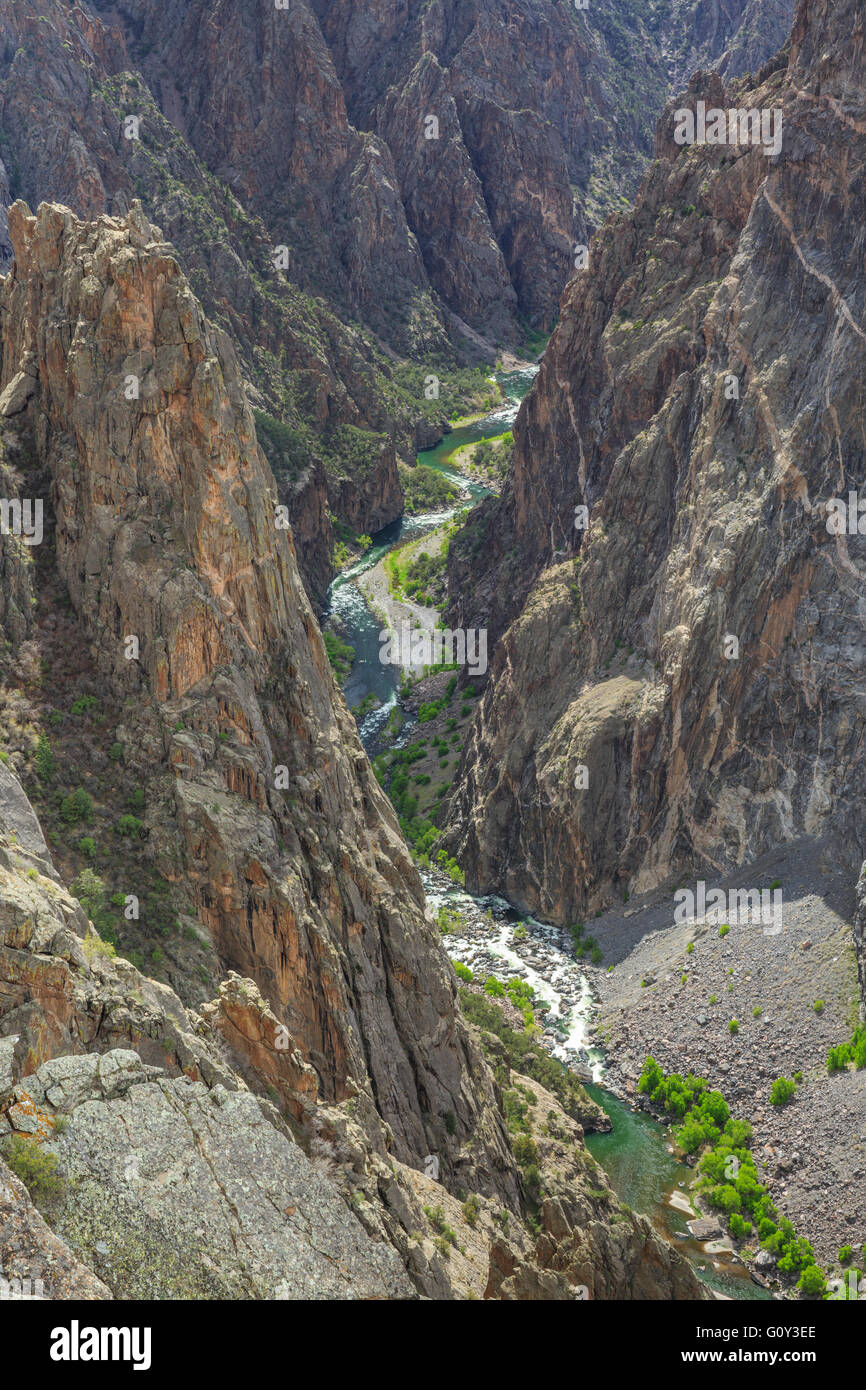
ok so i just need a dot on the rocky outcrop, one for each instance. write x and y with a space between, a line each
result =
260 797
680 679
34 1260
172 1189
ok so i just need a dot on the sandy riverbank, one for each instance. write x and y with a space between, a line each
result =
394 612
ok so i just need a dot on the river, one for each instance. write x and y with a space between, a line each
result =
358 624
636 1154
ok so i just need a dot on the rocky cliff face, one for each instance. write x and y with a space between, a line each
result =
699 647
536 134
256 95
165 531
552 108
732 36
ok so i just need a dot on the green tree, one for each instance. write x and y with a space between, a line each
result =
44 758
811 1282
782 1091
76 807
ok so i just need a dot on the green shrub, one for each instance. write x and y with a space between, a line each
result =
36 1168
818 1006
341 654
723 930
782 1091
85 705
733 1026
95 947
450 867
76 807
846 1254
115 752
436 1217
87 846
471 1208
725 1197
128 826
463 972
811 1281
839 1057
90 890
495 988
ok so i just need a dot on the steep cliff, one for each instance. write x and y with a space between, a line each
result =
699 647
553 108
545 107
733 36
257 792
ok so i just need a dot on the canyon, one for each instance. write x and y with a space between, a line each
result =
346 255
162 527
242 1053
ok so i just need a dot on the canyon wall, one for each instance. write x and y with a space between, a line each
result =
694 640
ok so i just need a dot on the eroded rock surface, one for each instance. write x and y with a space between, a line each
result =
700 398
165 530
